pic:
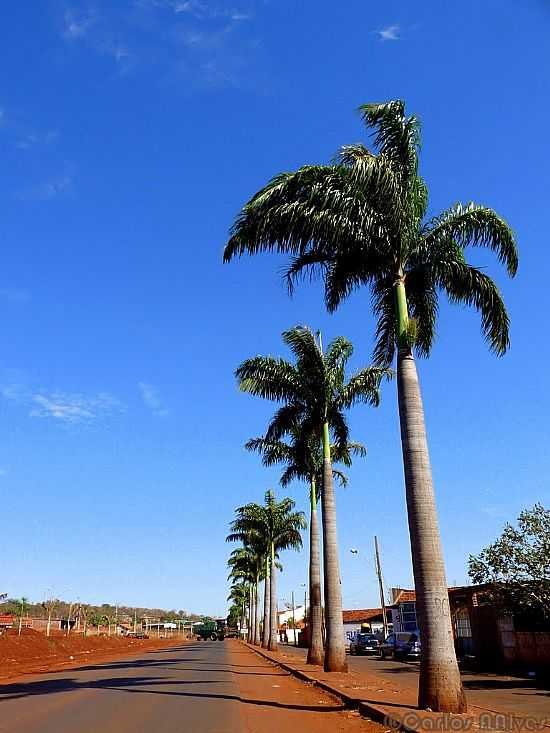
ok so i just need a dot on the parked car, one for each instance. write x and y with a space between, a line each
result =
400 645
364 644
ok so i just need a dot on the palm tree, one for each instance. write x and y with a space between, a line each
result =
238 595
304 461
246 563
315 394
362 221
279 526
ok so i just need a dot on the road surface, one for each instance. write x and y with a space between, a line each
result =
199 687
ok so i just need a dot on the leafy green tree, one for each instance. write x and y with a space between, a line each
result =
96 619
362 222
279 526
315 393
517 564
303 461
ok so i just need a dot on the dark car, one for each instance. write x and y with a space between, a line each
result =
400 645
364 644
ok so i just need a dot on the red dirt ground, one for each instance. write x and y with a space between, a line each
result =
33 652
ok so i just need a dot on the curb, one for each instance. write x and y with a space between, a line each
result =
366 709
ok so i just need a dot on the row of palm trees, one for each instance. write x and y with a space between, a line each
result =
315 394
363 221
264 530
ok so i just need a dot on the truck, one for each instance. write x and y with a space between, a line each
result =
213 630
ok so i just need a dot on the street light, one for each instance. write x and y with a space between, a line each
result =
378 570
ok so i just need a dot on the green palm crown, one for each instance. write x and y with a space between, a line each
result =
363 221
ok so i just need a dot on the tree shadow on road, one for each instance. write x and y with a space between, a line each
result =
498 684
20 690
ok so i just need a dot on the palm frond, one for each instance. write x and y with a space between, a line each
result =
395 136
364 386
267 377
383 306
466 284
293 210
423 308
338 353
473 226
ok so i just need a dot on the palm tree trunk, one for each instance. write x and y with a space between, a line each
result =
257 614
273 645
315 652
254 612
440 686
335 653
249 620
267 606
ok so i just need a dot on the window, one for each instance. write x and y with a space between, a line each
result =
407 612
462 624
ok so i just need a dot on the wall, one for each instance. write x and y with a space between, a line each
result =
530 651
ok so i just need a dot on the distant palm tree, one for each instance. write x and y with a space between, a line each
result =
246 564
362 222
238 595
304 461
314 393
279 525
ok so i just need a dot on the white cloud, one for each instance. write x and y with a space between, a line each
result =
73 408
203 41
391 33
151 398
64 407
30 139
206 11
76 25
12 391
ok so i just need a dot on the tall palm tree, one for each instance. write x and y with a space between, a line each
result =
362 221
279 526
314 393
304 461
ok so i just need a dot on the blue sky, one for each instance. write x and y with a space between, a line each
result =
130 134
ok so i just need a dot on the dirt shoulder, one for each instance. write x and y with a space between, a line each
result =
272 700
384 697
34 653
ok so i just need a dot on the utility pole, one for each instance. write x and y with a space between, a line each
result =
294 620
381 586
135 621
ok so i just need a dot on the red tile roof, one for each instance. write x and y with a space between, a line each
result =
361 614
405 596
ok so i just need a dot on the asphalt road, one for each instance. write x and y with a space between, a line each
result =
197 687
187 688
